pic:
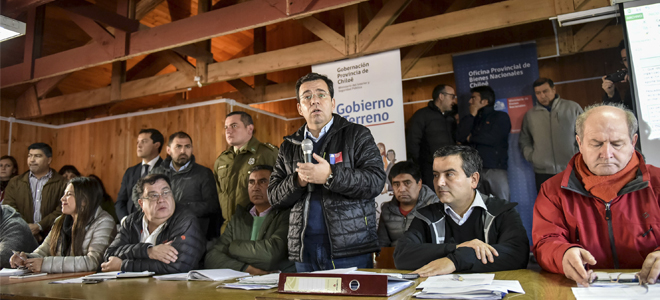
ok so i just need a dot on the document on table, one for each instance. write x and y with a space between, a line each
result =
13 272
449 280
496 289
65 281
115 275
650 292
205 275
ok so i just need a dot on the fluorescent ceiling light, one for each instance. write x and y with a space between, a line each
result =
587 16
10 28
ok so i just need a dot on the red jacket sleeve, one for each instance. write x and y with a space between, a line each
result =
550 232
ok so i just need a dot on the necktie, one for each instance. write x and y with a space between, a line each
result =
145 170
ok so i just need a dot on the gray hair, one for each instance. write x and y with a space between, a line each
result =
631 121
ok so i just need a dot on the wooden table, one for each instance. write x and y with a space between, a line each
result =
537 285
50 277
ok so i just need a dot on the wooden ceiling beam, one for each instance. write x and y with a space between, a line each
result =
487 17
47 85
149 66
351 30
413 56
197 28
89 10
27 105
195 51
144 7
97 32
179 62
385 17
223 3
324 32
14 8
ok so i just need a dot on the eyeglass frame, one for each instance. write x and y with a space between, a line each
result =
454 96
163 194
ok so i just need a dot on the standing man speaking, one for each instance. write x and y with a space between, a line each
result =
332 198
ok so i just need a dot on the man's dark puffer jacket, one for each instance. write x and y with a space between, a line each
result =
182 228
348 203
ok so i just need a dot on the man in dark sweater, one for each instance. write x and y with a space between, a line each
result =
430 128
487 130
467 232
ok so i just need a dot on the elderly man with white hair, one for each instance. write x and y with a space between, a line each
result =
604 209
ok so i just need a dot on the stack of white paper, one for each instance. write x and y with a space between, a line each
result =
650 292
206 275
471 286
12 272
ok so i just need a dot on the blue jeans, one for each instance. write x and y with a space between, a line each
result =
317 257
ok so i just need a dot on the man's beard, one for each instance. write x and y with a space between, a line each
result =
181 161
453 110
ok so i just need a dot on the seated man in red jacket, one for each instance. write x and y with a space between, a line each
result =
604 209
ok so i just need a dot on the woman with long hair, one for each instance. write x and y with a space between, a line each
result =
79 236
8 169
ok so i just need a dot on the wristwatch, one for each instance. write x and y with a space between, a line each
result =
328 181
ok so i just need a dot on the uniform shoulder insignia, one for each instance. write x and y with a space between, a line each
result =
271 146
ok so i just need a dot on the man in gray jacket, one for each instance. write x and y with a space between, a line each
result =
547 137
15 235
409 195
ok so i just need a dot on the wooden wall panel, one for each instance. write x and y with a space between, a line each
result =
108 148
23 136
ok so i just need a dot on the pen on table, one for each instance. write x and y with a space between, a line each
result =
457 277
18 253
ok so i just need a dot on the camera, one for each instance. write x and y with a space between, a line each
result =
617 76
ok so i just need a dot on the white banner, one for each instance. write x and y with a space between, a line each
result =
368 91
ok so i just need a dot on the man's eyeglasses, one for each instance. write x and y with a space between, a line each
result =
310 96
153 197
453 96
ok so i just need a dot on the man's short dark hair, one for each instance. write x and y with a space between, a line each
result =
151 179
471 160
179 134
541 81
261 167
45 148
313 77
405 167
486 93
245 117
440 88
156 137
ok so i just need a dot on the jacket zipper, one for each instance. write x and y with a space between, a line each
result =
608 217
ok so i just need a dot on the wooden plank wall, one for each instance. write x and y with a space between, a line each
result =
107 148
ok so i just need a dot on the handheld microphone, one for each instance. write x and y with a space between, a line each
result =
307 148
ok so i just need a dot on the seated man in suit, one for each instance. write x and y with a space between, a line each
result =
255 240
468 232
160 238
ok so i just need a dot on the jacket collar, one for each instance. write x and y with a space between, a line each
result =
570 181
25 177
486 110
251 146
494 207
339 122
166 165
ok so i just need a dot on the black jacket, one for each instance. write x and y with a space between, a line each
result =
124 205
428 130
425 239
627 99
489 132
348 202
193 189
182 228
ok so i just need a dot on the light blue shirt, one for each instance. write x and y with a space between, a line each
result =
324 130
478 202
182 168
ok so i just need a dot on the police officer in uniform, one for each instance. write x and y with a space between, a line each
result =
232 166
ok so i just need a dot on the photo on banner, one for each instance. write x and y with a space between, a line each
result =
510 70
368 91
